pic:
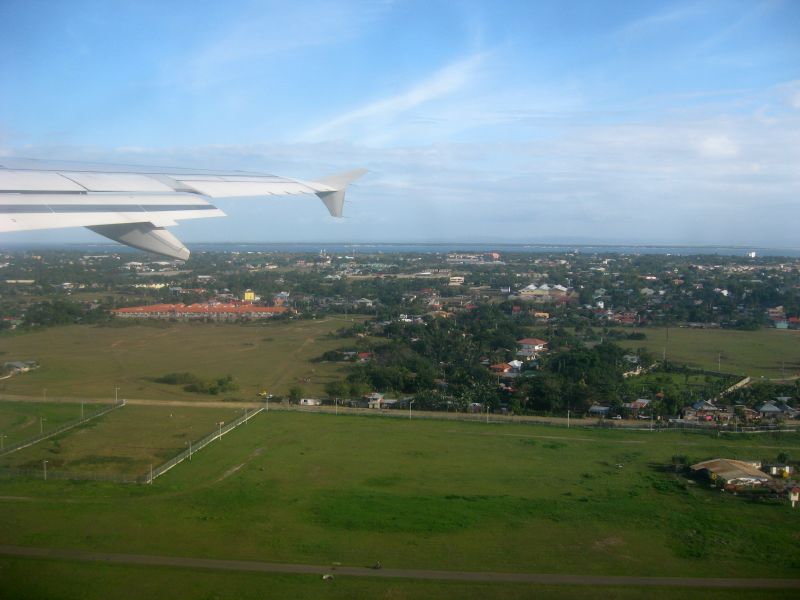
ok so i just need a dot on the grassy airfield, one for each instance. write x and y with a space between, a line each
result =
89 362
769 353
123 443
319 489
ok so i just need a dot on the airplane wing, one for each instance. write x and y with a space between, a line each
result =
133 205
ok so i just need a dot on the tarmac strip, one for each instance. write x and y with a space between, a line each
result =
389 573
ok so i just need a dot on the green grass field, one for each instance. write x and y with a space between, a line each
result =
124 442
317 489
90 362
770 353
23 420
37 579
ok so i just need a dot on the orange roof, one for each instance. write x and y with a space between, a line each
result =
237 308
532 342
501 367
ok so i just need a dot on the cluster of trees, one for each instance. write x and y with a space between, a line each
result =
198 385
443 363
62 312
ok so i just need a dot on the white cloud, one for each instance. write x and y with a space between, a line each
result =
367 119
712 175
718 146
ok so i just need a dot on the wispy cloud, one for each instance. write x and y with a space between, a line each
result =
658 20
369 119
266 32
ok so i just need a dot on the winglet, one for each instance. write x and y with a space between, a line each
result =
334 197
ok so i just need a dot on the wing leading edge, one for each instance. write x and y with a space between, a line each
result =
133 205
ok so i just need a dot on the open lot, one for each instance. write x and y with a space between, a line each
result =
318 489
124 442
88 361
23 420
768 353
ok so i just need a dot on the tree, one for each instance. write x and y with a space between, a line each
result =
295 394
337 389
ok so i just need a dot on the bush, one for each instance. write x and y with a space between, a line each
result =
193 383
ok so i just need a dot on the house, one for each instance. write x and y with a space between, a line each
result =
377 400
374 400
365 303
530 348
310 402
501 368
702 410
733 474
769 410
533 344
636 406
599 411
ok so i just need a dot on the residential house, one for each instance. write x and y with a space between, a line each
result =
636 406
702 410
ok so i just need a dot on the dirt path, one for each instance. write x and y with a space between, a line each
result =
232 470
389 573
289 359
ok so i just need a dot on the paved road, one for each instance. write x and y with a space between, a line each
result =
480 576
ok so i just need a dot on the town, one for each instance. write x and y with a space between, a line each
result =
512 333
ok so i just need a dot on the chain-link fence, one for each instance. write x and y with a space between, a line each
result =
61 429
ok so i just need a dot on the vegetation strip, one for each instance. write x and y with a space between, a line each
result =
266 567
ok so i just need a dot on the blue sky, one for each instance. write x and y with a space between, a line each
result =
619 122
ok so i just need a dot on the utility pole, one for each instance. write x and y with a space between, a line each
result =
44 463
409 408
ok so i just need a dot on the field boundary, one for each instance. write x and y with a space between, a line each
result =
146 478
198 445
65 427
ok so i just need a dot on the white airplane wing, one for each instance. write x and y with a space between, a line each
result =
133 205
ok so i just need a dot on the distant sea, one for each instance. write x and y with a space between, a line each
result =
434 248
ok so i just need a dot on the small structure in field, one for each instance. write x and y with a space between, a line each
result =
733 475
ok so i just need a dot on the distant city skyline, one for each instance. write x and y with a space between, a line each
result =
549 122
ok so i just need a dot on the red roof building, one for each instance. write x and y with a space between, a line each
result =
211 311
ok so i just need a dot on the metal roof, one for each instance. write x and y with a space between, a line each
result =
729 469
